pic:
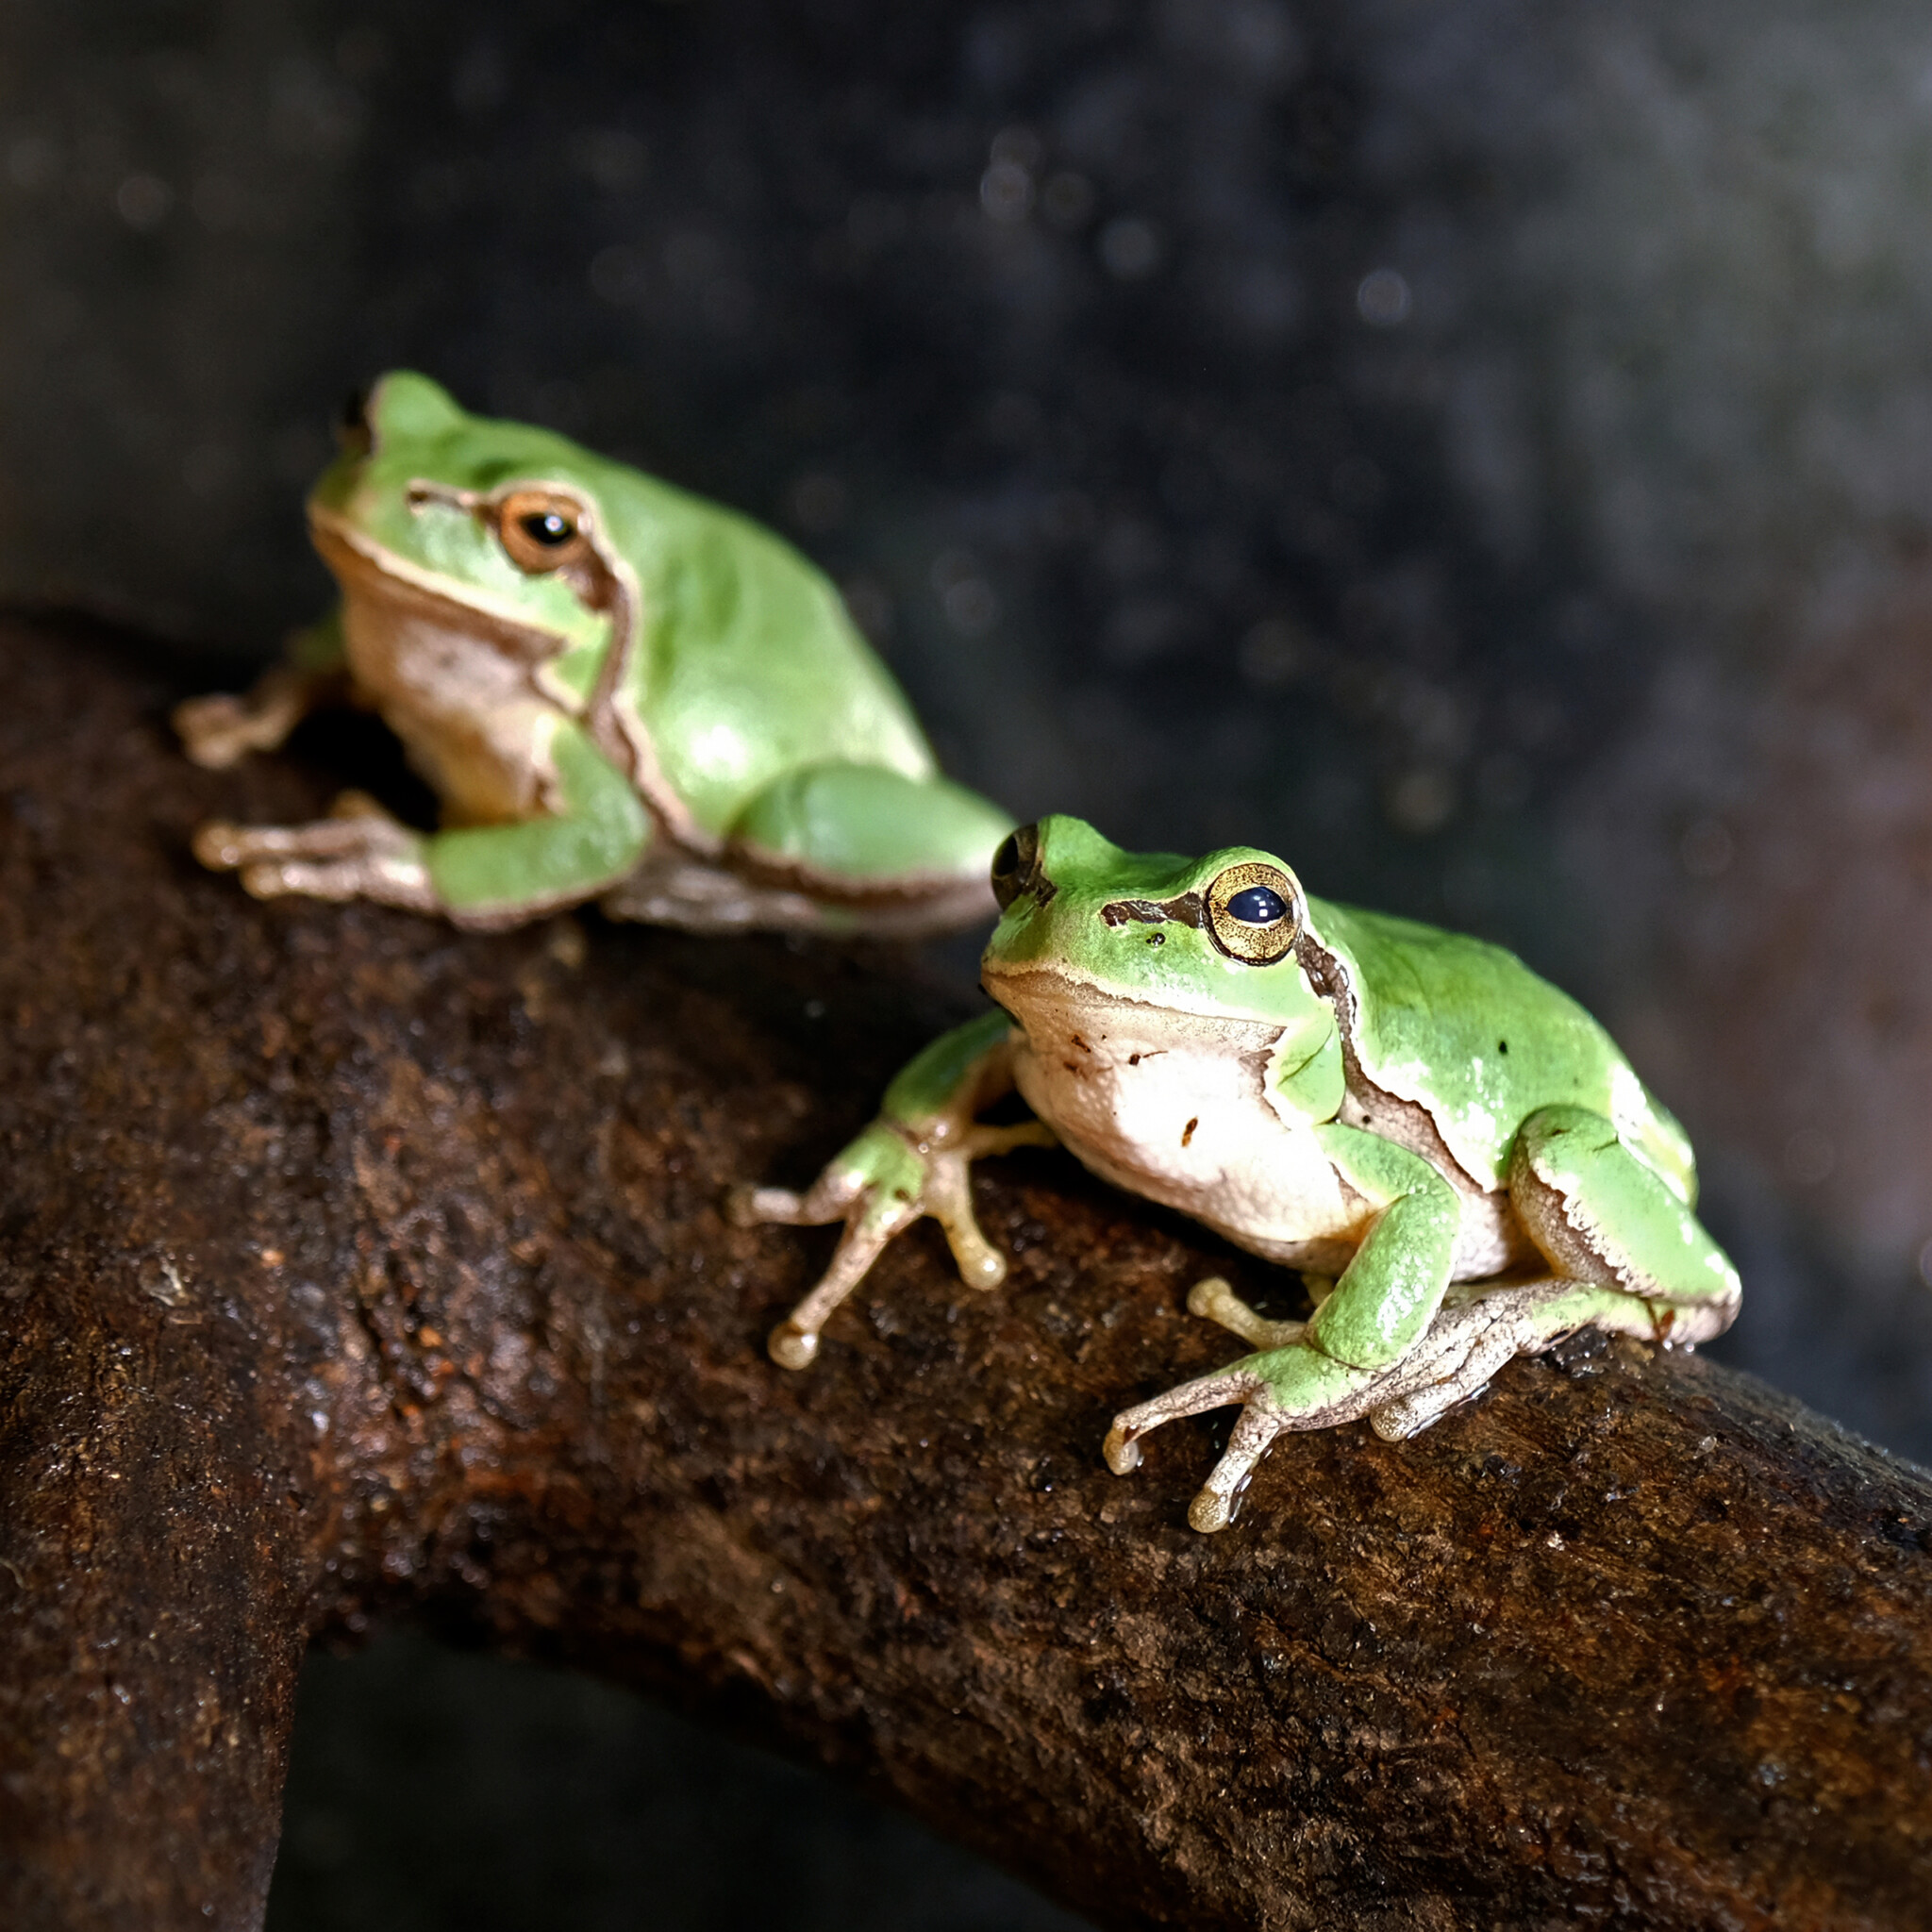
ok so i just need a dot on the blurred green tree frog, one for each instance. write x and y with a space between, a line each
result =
1456 1153
617 691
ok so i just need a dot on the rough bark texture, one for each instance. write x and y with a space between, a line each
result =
352 1265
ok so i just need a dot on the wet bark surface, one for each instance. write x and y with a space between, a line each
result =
351 1266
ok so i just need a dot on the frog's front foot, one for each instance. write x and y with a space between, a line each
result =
878 1187
222 729
869 1190
358 852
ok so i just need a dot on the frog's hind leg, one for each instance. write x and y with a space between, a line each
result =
1474 1339
1254 1428
1253 1435
1281 1389
888 852
1629 1257
1602 1218
1336 1366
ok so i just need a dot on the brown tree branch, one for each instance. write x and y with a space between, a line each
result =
352 1264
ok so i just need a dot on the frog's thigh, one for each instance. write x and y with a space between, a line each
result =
1600 1215
1389 1294
1468 1343
864 824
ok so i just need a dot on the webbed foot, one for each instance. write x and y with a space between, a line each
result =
1475 1333
358 852
878 1187
1292 1387
222 729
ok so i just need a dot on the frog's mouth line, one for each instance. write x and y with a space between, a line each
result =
1009 987
373 571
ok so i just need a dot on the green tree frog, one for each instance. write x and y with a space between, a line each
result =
1456 1154
617 692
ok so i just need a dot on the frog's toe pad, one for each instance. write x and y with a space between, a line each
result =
983 1267
214 730
750 1205
1122 1448
1210 1511
1220 1499
218 844
791 1347
1409 1415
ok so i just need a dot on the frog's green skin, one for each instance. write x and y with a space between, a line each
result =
664 707
1456 1150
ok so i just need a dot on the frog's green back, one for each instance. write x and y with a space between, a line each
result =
1469 1030
747 664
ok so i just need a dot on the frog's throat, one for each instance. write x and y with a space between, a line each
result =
393 588
1368 1104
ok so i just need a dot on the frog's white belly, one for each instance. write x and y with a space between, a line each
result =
1174 1108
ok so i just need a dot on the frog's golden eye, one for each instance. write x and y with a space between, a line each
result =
1253 912
1015 863
542 530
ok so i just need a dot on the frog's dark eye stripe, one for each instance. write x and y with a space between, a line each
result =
1253 911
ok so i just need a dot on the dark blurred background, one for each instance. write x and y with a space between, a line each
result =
1482 451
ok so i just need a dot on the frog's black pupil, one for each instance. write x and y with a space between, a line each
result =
547 526
1005 861
1257 906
